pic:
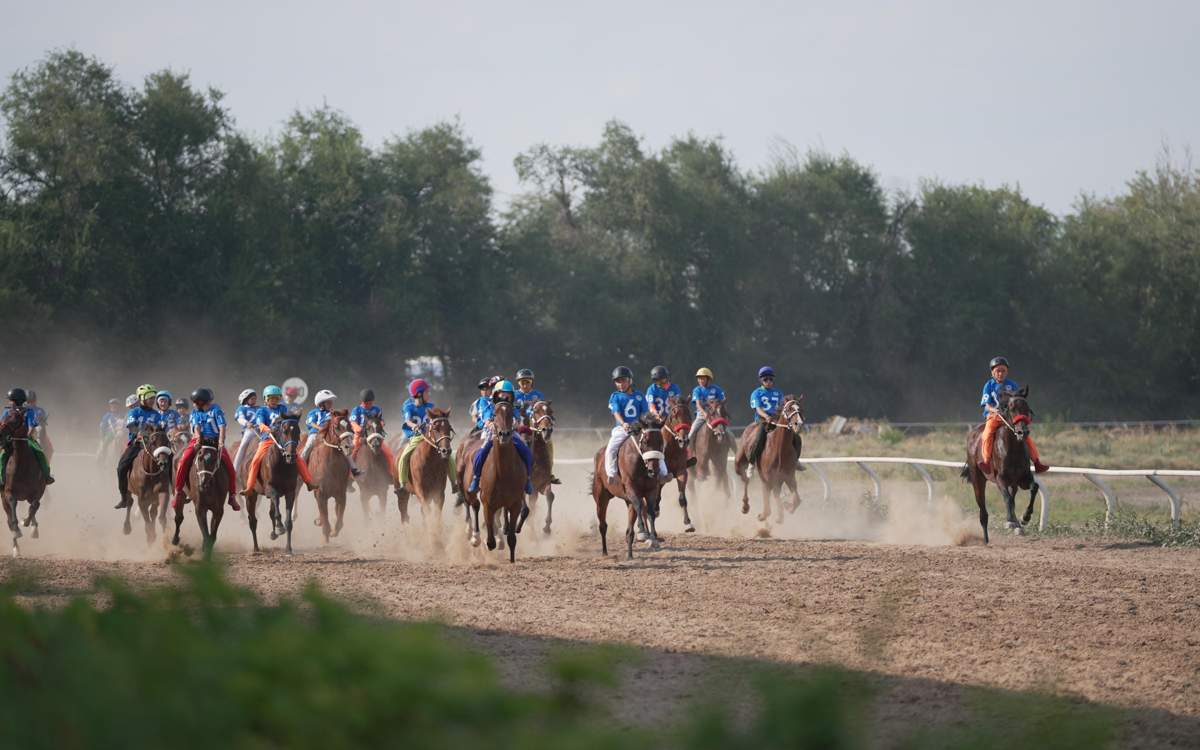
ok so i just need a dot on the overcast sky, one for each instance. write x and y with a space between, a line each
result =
1057 97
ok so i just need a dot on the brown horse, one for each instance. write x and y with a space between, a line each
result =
712 446
541 430
278 476
501 485
376 475
206 489
675 447
329 464
429 468
1010 461
150 479
23 478
776 462
637 482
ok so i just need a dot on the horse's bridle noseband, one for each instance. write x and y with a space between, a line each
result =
437 444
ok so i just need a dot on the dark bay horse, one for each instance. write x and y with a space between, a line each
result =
712 446
376 476
150 479
776 463
501 484
675 447
278 476
541 430
206 489
23 478
429 469
329 464
637 482
1010 461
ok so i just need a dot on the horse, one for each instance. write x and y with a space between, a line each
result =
637 482
777 461
501 485
376 475
1010 461
207 487
428 467
278 476
329 464
23 478
150 479
541 429
712 446
675 447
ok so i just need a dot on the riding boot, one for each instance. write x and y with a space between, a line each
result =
555 480
179 499
126 501
233 503
474 486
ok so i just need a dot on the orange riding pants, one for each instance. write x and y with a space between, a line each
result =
264 445
387 453
994 422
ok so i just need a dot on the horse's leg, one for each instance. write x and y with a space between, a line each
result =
339 507
178 522
215 521
164 503
402 505
127 527
10 510
202 519
979 484
790 481
322 518
149 512
473 508
652 523
681 480
634 517
1010 506
777 493
252 517
744 475
1033 492
766 485
273 513
512 527
287 525
549 508
489 519
31 519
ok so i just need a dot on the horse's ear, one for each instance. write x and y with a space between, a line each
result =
1024 392
446 412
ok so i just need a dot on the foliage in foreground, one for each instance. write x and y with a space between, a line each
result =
205 665
1128 526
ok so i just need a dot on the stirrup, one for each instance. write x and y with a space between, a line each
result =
555 480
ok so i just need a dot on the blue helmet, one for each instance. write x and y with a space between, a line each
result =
163 394
766 372
504 386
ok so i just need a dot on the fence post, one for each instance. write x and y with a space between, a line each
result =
1044 510
874 478
826 488
928 485
1172 498
1110 497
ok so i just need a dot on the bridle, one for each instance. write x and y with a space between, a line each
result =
159 457
346 435
538 424
1018 419
202 462
288 442
647 454
681 429
443 450
790 416
503 436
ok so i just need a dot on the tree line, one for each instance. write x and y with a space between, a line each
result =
135 212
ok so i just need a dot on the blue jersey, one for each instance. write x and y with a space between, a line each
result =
209 421
629 406
110 424
244 415
414 412
30 417
169 419
766 399
525 401
316 420
991 393
658 395
360 413
477 408
37 414
702 395
267 416
138 416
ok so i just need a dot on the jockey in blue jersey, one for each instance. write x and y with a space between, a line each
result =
485 387
416 415
143 413
167 416
244 415
661 388
705 394
503 391
17 399
265 419
207 420
526 395
765 401
626 406
368 409
317 418
111 424
990 403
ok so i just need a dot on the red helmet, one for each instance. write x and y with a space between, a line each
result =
417 386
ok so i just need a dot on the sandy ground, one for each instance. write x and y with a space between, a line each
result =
914 598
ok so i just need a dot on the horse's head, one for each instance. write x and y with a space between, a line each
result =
650 443
1015 406
439 432
14 425
502 420
541 420
679 420
372 431
208 461
287 434
337 431
715 418
157 445
792 413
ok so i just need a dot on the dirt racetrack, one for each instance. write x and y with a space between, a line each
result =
1109 623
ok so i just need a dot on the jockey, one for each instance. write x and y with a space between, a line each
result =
265 419
705 392
245 414
526 395
18 398
485 390
111 422
990 402
185 410
167 416
39 416
366 409
765 401
627 407
661 388
416 415
142 413
503 391
207 421
318 418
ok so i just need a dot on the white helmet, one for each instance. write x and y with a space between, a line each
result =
323 396
131 401
246 394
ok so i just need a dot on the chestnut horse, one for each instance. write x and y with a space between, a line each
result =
23 478
150 479
541 430
712 446
501 485
675 447
777 461
278 476
376 476
428 469
207 487
1010 461
637 482
329 464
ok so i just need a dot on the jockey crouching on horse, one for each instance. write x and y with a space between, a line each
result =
167 416
416 416
142 413
706 392
765 401
627 407
503 391
207 421
265 419
525 397
368 409
245 413
317 418
999 382
17 399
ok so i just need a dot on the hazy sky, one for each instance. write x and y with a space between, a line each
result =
1058 97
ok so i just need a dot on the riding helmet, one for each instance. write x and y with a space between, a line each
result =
622 372
202 396
704 372
181 403
18 396
997 361
272 390
484 384
246 394
131 401
766 372
658 372
504 386
366 394
324 395
524 374
420 385
114 402
162 395
146 391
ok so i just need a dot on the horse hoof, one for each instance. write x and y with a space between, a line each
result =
546 530
642 536
1018 531
35 533
16 551
689 529
763 516
745 507
127 528
274 536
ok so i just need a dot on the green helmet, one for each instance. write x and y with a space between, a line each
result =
146 391
272 390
